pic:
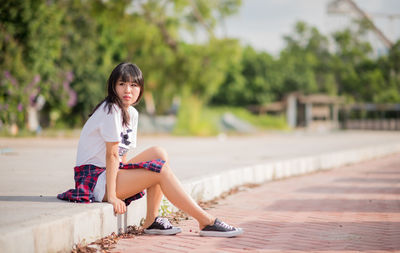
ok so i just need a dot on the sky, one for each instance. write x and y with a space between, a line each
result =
263 23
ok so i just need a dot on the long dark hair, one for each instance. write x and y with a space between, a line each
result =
128 72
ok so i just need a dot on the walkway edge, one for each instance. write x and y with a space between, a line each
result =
213 186
89 224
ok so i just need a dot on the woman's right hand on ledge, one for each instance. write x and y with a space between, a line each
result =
119 205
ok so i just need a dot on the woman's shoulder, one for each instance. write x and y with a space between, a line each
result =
110 108
133 111
106 110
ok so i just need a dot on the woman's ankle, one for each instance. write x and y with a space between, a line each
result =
209 221
148 221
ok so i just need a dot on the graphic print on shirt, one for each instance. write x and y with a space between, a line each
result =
126 140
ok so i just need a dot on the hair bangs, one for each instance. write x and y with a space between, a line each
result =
126 72
131 74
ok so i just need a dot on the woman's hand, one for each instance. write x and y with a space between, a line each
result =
119 205
112 163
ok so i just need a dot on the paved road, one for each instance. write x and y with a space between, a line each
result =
50 161
352 208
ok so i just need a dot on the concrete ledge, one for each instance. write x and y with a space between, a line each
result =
212 186
60 232
88 222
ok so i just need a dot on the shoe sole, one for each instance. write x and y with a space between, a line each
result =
237 232
172 231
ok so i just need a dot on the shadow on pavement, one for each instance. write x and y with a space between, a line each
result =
392 172
350 190
336 205
30 198
316 236
368 180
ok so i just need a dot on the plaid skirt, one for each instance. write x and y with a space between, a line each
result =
86 178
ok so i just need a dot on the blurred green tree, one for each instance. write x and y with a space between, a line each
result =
390 66
359 74
173 67
63 51
305 62
303 65
248 82
30 45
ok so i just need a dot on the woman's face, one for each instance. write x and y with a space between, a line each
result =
128 92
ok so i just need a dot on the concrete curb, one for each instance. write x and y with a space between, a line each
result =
61 232
212 186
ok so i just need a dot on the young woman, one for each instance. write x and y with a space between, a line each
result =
103 173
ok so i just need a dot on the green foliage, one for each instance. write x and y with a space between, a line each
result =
73 45
30 46
307 65
64 50
194 119
360 77
304 65
391 73
247 82
305 62
165 208
266 122
262 122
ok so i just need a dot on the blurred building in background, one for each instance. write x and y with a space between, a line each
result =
368 116
315 111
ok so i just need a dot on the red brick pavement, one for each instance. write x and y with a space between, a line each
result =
347 209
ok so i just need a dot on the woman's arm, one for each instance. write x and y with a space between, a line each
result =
123 159
112 165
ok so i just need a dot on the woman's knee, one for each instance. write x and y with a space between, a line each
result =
159 153
166 169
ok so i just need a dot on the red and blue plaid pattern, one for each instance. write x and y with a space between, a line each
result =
86 177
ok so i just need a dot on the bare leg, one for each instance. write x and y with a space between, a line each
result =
154 193
175 193
130 182
154 196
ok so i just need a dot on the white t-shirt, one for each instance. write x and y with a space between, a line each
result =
104 127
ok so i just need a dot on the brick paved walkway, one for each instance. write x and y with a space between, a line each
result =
353 208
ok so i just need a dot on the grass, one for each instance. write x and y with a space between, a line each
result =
196 119
262 122
48 132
